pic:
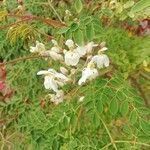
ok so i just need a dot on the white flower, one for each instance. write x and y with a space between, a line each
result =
101 60
68 12
65 51
50 83
73 71
88 73
69 43
63 70
55 56
58 98
55 49
89 47
54 42
59 76
81 98
72 58
103 49
39 48
103 44
81 51
20 7
54 53
53 79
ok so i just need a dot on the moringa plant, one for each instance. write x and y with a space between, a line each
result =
74 75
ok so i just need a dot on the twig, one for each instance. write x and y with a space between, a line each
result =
48 21
14 61
23 18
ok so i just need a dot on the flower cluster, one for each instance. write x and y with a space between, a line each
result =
71 58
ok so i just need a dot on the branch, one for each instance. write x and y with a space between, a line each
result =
48 21
23 18
14 61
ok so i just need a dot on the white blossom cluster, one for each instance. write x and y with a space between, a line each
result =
70 59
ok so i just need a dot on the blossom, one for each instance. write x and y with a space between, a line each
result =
81 98
101 60
68 13
57 98
39 48
69 43
73 71
103 49
53 79
89 47
81 51
50 83
102 44
55 52
63 70
88 73
54 42
54 55
71 58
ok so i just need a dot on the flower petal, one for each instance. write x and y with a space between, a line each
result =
43 72
69 43
71 58
50 83
55 56
81 51
88 73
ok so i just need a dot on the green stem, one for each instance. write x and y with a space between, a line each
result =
111 139
131 142
22 59
50 4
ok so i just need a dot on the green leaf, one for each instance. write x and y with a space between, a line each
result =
74 27
78 6
128 4
140 6
113 106
86 20
124 108
127 129
96 121
121 96
55 145
62 30
66 121
68 34
144 111
90 32
133 117
99 106
145 126
78 37
73 119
